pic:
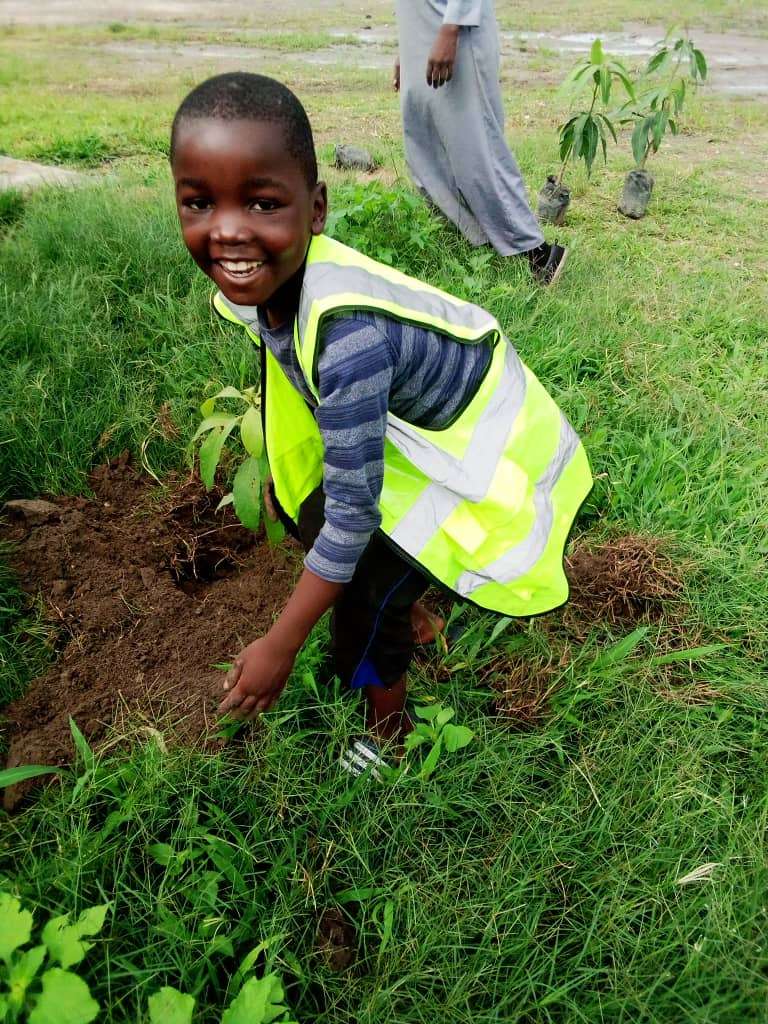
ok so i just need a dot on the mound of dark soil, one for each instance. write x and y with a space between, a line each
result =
148 591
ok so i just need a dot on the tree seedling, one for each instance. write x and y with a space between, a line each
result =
246 495
670 72
437 731
586 131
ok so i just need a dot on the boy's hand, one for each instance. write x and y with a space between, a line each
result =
257 678
442 56
396 75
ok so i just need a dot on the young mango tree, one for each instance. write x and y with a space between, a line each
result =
587 131
671 72
252 473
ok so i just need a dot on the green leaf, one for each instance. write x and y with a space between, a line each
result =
169 1006
660 58
499 628
229 392
260 1001
691 654
82 747
64 940
596 53
621 650
15 925
22 971
217 419
162 853
701 64
605 85
432 758
275 530
413 740
456 736
251 432
250 958
445 715
10 776
246 489
207 409
226 500
428 712
65 999
210 450
640 141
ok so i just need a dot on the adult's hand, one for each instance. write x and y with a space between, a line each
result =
442 56
396 75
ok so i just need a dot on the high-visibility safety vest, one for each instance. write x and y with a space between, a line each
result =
483 505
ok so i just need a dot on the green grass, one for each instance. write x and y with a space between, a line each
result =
535 878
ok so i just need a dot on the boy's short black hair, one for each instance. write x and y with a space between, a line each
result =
241 95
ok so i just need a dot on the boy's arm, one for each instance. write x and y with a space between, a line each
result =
261 669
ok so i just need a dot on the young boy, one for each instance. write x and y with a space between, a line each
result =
407 442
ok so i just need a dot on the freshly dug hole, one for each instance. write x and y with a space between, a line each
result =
147 594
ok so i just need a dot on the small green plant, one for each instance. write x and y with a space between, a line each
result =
437 730
587 130
246 495
259 1001
659 105
57 994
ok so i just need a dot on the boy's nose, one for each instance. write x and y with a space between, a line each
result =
230 229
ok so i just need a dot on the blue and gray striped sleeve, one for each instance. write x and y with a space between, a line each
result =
355 372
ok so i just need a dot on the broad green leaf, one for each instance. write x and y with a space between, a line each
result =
432 758
246 489
596 53
456 736
691 654
169 1006
15 925
250 958
226 500
23 970
605 85
10 776
162 853
251 432
228 392
621 650
427 712
207 409
640 141
65 999
64 940
217 419
260 1001
210 450
82 747
275 530
413 740
444 715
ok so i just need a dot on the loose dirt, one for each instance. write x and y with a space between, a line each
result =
147 592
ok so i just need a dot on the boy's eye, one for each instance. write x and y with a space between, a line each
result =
264 205
198 203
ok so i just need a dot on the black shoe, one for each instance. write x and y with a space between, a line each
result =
547 262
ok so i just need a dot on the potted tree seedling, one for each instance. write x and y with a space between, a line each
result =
672 69
587 130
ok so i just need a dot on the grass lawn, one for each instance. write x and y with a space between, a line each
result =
543 873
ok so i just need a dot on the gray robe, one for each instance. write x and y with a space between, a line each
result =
454 135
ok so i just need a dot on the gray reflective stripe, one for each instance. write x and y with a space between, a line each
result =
457 480
521 559
247 315
324 279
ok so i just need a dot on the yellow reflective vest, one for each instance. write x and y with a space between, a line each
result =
485 505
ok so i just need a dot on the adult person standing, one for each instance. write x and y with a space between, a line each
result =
447 73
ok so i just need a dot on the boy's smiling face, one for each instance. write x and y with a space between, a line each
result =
246 209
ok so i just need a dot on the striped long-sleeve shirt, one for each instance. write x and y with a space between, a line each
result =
370 365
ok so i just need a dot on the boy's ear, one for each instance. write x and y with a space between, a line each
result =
319 208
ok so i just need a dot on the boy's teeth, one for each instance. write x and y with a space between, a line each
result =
240 266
